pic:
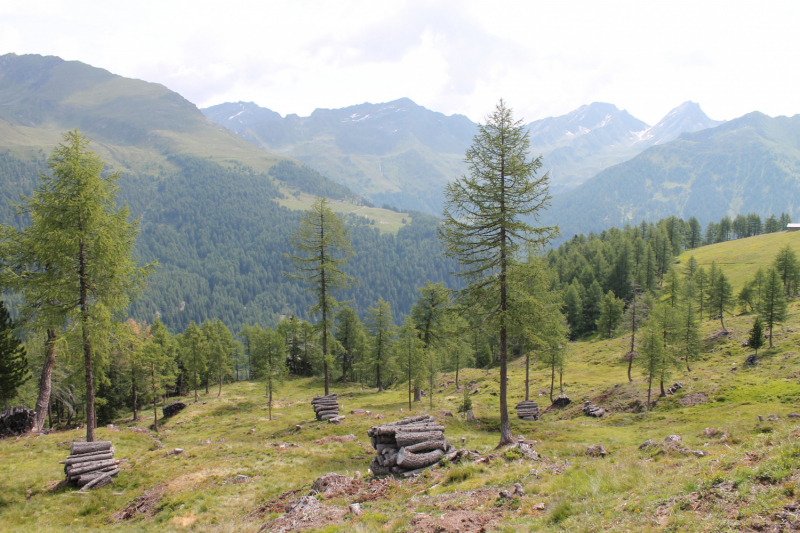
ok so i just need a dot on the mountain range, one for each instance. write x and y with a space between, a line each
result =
746 165
402 153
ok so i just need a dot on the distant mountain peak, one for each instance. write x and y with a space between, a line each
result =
686 118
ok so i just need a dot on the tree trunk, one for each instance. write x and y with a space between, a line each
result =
527 375
135 398
208 378
458 361
378 371
87 349
649 388
409 383
195 379
49 414
417 394
44 381
663 393
270 401
155 397
324 305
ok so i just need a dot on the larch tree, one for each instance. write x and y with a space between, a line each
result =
651 357
13 358
756 338
701 283
74 263
193 353
350 340
773 301
720 296
378 323
485 224
158 358
269 359
611 311
635 316
690 342
322 248
410 354
787 266
428 313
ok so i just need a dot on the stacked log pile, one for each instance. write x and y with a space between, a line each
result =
91 465
173 408
16 421
590 409
528 410
326 407
675 388
408 445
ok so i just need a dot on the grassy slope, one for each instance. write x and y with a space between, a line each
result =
749 476
741 258
385 220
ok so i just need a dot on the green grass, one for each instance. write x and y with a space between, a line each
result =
752 471
741 258
385 220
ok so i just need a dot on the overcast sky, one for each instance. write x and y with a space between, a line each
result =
544 58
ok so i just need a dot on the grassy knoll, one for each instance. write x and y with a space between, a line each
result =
741 258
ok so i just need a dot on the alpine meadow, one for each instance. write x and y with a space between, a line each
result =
439 302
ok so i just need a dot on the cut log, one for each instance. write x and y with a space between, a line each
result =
407 439
85 478
89 447
417 460
326 405
326 417
324 399
328 412
98 482
378 469
409 428
428 446
73 460
83 457
384 448
90 467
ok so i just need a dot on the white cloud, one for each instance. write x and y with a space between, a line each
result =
451 56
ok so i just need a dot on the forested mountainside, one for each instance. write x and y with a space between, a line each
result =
205 197
219 238
750 164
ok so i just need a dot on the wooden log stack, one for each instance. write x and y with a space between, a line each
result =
173 408
408 446
91 465
326 407
528 410
675 388
590 409
16 421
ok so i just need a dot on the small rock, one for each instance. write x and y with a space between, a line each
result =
794 415
463 440
539 507
177 451
710 432
355 509
673 440
649 443
471 416
253 430
222 440
506 495
447 412
357 474
282 447
518 490
760 418
773 418
751 359
596 450
298 427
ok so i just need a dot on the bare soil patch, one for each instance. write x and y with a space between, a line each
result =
144 505
455 522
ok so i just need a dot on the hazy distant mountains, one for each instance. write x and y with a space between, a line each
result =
749 164
402 153
397 152
580 144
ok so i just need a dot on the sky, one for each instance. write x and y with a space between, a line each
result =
543 58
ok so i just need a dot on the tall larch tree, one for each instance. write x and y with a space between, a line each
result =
773 301
378 323
322 248
485 224
74 263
